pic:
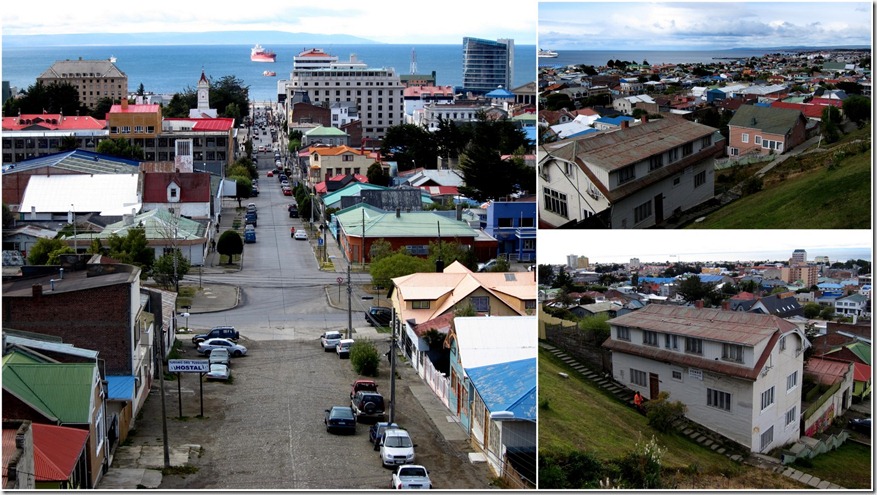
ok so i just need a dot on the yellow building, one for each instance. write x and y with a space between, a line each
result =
94 79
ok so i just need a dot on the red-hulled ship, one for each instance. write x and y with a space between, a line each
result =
260 54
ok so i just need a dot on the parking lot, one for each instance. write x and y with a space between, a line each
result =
264 429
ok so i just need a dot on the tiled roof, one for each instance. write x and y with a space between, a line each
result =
52 122
333 150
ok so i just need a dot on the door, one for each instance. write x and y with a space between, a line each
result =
659 208
654 388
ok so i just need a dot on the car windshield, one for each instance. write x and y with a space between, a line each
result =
412 471
397 442
341 413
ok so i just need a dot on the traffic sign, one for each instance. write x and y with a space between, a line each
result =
320 241
188 365
340 280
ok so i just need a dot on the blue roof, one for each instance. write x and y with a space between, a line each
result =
500 93
581 133
79 160
507 386
658 280
710 278
120 387
829 286
615 120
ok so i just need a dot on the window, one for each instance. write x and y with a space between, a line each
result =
792 381
791 415
505 223
656 162
420 304
706 142
766 398
693 345
650 338
555 202
481 304
623 333
346 158
700 178
718 399
670 341
757 139
782 343
626 174
642 212
638 377
745 137
766 439
687 149
173 192
677 375
673 155
732 352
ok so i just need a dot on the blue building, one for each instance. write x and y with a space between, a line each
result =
513 225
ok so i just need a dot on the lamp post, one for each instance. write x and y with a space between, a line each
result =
73 221
349 304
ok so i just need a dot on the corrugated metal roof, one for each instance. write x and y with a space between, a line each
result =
57 347
482 341
767 119
56 451
509 386
80 193
379 223
159 224
57 390
120 387
81 161
826 371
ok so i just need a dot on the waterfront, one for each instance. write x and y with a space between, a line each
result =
654 57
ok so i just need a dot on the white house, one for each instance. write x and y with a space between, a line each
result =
854 304
739 374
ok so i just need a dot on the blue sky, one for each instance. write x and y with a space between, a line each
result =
701 25
386 21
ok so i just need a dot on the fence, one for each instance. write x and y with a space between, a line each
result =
745 159
435 380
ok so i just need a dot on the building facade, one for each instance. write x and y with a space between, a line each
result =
487 64
93 79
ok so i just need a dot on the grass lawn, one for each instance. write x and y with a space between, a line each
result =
849 466
582 416
804 193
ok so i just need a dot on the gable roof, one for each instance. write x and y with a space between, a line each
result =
158 224
508 386
483 341
107 194
379 223
65 68
194 186
56 451
766 119
52 122
78 161
59 391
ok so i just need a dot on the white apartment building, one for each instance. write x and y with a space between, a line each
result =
739 374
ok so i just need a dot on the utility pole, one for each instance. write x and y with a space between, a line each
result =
160 363
393 369
349 304
73 217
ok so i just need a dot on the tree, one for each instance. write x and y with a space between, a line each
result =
488 176
376 175
44 251
244 187
132 249
163 269
857 108
693 289
558 101
121 148
365 358
8 216
449 252
180 104
812 310
53 98
830 113
827 313
545 274
411 146
379 250
396 265
562 280
230 244
102 108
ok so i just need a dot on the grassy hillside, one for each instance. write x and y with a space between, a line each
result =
581 416
818 190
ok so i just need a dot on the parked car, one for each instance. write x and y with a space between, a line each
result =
293 211
486 267
363 385
329 340
251 219
861 424
343 348
227 333
270 173
218 372
340 419
287 191
208 345
367 405
219 355
254 191
249 234
376 430
396 447
301 235
251 207
378 316
411 477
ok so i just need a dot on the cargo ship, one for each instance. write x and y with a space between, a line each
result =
259 54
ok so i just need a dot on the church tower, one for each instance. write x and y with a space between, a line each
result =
203 110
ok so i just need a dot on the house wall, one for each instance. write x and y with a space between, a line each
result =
735 139
99 318
190 210
351 244
98 444
569 186
780 365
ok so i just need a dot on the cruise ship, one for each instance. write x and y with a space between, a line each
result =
547 54
259 54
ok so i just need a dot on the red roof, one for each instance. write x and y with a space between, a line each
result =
826 371
440 190
809 110
207 124
52 121
861 372
744 296
142 108
56 450
442 324
194 186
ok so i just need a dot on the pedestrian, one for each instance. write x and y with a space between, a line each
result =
212 245
638 401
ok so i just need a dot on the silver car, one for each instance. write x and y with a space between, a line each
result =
218 372
329 340
233 349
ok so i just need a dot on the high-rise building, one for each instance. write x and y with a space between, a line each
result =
487 64
572 261
799 256
94 79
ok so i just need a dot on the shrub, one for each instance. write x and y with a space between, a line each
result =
662 413
365 358
641 468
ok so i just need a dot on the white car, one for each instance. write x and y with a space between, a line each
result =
343 348
396 447
301 235
233 349
219 355
411 477
486 267
329 340
218 372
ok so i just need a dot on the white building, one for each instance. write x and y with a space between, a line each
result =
739 374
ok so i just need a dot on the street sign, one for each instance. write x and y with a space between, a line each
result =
188 365
340 280
320 241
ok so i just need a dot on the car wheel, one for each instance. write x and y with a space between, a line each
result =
237 354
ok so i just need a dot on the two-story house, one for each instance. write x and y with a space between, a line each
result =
328 161
738 374
513 224
763 130
633 177
854 304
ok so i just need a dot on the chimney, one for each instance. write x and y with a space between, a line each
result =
726 305
645 119
37 290
698 304
625 124
398 212
124 104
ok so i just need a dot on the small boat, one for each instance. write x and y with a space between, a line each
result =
269 73
543 53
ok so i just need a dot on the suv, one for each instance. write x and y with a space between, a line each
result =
228 333
363 385
396 448
377 316
368 404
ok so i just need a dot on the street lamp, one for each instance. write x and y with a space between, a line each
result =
73 221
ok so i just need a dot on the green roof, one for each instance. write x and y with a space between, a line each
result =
62 391
159 225
379 223
355 189
326 131
767 119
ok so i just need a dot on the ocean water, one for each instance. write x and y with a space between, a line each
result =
654 57
172 69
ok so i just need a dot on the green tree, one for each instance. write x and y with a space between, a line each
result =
558 101
244 187
641 468
163 269
132 248
68 143
486 174
121 148
562 280
53 98
812 310
830 113
411 146
595 327
379 249
44 251
102 108
857 108
180 104
364 357
693 289
396 265
376 175
545 275
827 313
230 244
451 251
8 216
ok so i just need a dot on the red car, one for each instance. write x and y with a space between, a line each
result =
364 386
270 173
287 191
